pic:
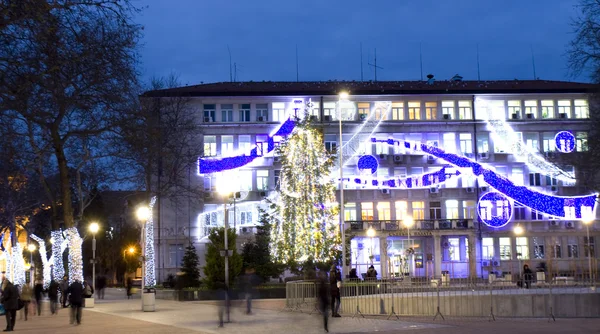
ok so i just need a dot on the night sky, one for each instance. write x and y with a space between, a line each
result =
190 38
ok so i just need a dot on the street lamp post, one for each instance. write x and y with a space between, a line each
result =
371 233
343 96
587 224
518 230
94 229
31 248
408 222
225 188
143 214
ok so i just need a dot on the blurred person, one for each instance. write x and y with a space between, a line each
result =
26 295
88 291
527 276
10 300
353 275
129 287
372 273
323 298
53 296
75 292
38 292
335 281
64 285
100 286
249 281
222 296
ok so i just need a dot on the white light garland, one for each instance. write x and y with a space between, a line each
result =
46 265
58 269
75 257
19 265
150 277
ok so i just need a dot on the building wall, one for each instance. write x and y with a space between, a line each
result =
223 119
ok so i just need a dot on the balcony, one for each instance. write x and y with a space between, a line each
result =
426 224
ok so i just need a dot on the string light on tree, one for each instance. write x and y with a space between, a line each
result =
46 268
18 265
150 276
75 257
56 239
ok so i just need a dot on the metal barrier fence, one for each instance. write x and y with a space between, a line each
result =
439 299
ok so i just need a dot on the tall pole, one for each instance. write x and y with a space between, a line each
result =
143 260
409 254
226 223
94 262
342 227
587 227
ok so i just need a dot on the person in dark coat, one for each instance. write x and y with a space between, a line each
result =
64 285
38 292
129 287
10 300
372 273
248 283
335 280
527 276
323 298
53 296
100 286
75 292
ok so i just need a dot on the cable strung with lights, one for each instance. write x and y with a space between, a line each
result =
150 277
46 267
75 256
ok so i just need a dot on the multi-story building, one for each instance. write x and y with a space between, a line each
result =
445 168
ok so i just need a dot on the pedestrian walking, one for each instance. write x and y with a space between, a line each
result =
26 295
249 281
323 298
129 287
75 292
38 293
100 286
527 276
335 283
64 285
53 296
10 300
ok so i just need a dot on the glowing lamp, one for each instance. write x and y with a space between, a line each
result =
344 95
94 228
518 230
143 213
408 222
31 247
371 232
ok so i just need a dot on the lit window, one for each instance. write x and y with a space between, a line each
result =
418 210
505 253
483 145
210 146
430 110
226 146
539 250
466 145
581 141
464 110
581 109
516 176
487 248
245 180
401 209
452 209
522 248
279 112
468 209
564 108
366 211
572 247
531 109
329 110
449 139
414 110
383 211
454 249
244 144
315 110
448 109
363 110
547 109
350 212
397 111
262 180
514 109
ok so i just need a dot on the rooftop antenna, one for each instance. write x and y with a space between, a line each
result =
375 65
230 71
421 60
234 72
297 76
478 73
533 63
361 63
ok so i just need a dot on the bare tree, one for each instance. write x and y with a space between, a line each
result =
584 49
66 70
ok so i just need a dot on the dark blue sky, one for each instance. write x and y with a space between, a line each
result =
190 38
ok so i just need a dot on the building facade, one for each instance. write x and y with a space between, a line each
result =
436 175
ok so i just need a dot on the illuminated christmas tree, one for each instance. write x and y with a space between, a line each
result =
304 219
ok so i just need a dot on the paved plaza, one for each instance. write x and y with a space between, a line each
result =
119 315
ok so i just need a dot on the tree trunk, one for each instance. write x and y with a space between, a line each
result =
46 265
65 180
75 257
58 269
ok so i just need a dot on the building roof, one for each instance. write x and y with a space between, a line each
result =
279 88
